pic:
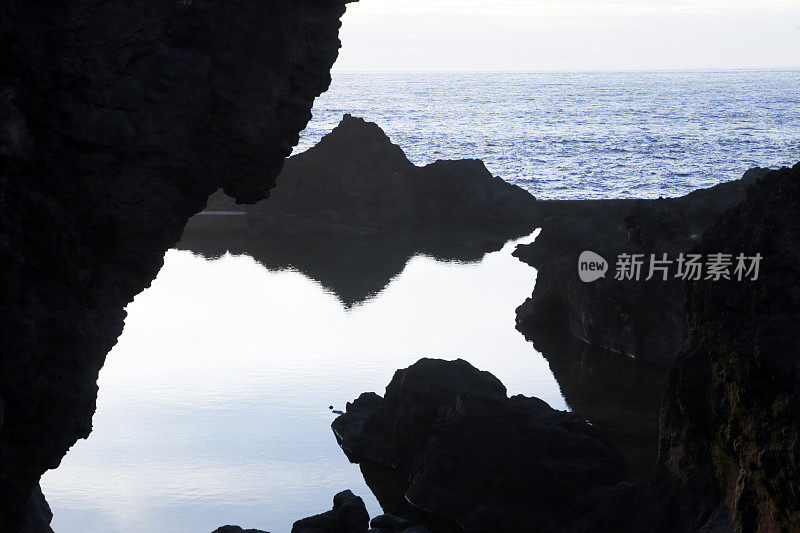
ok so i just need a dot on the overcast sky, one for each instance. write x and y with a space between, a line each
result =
570 34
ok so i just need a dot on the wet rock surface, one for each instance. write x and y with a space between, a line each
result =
471 457
642 320
117 120
356 182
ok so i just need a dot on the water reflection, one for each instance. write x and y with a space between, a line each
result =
213 406
620 396
355 269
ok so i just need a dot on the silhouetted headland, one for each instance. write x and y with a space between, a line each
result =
351 211
355 182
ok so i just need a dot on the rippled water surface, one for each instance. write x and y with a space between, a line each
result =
213 406
583 134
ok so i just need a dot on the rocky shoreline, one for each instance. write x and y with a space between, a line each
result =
445 450
642 320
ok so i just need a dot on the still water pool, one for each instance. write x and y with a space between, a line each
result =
213 406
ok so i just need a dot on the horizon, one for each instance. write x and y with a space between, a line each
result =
788 68
571 36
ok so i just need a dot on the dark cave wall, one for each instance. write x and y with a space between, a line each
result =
117 120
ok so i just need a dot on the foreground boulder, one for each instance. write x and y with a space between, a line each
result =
471 457
642 320
355 181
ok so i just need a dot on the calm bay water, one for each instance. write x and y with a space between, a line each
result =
213 406
581 134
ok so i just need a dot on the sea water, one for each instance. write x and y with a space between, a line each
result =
581 134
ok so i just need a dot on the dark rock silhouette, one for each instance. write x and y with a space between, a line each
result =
352 211
472 457
355 181
729 433
117 120
644 320
731 412
349 515
236 529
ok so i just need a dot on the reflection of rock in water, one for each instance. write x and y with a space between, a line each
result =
351 211
621 397
354 268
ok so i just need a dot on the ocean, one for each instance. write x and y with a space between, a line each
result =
581 134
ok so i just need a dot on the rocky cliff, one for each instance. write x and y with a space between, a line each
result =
730 421
117 120
643 320
355 182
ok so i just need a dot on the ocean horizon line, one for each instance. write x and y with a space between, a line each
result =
568 71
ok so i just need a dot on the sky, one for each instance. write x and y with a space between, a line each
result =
570 34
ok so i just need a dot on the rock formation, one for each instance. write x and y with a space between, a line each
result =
643 320
349 515
729 437
355 181
236 529
117 120
731 412
471 457
729 434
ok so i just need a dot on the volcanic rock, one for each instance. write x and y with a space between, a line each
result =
117 121
471 456
349 515
645 319
355 181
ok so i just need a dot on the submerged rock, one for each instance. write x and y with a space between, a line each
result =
355 181
642 320
473 458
